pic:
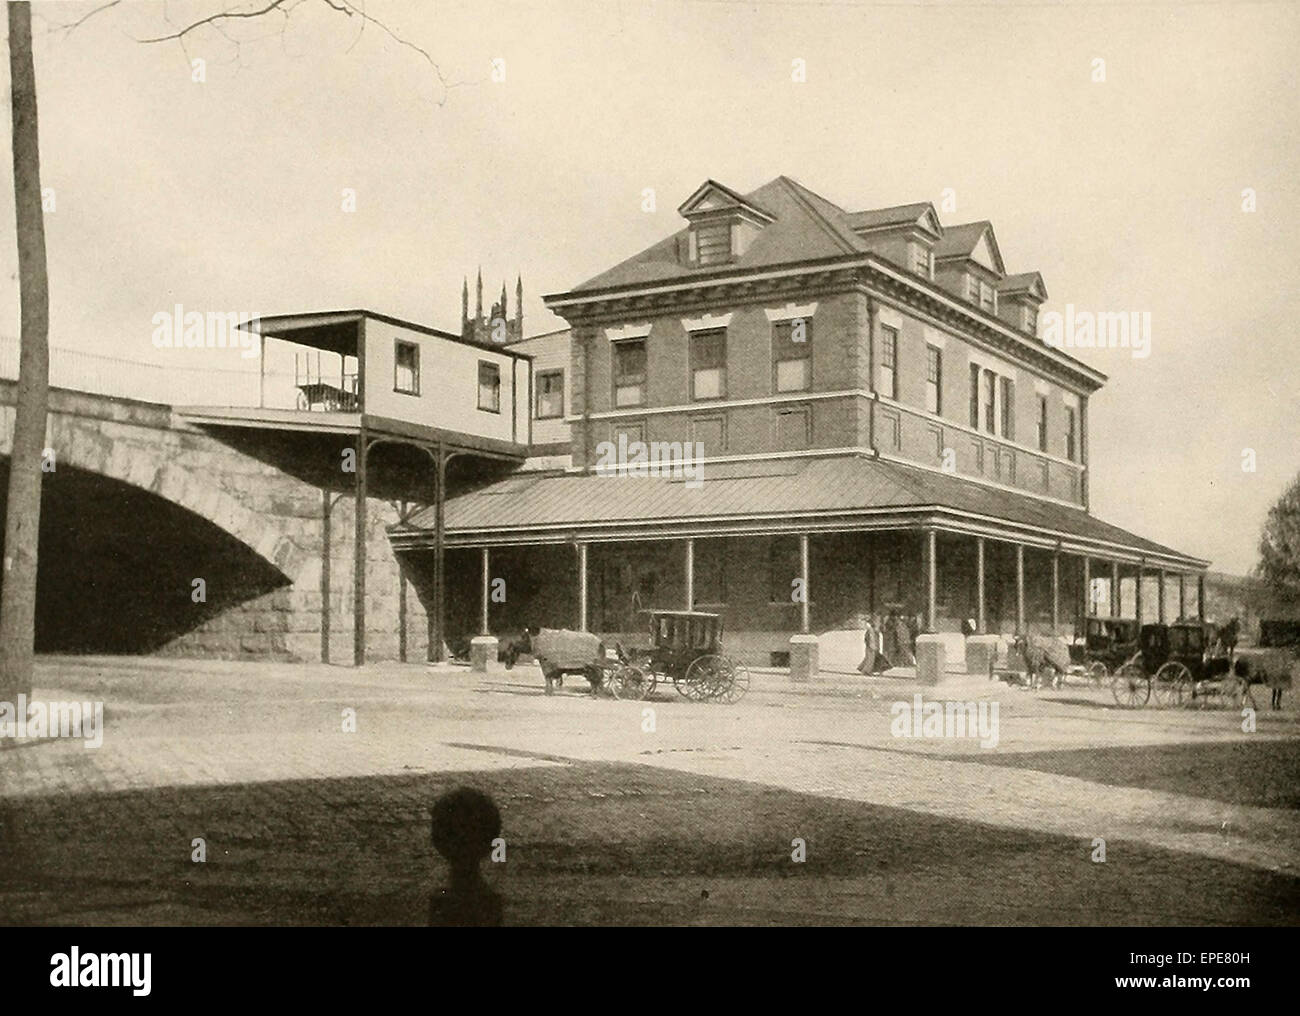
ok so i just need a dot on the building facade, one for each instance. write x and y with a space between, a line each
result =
796 415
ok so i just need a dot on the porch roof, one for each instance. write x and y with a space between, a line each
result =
773 496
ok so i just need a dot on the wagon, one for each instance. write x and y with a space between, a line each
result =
1108 643
685 648
1174 664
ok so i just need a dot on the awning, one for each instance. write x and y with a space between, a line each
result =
834 494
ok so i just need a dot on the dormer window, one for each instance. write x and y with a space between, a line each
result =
1029 320
922 261
723 224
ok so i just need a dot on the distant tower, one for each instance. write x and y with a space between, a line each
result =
464 303
479 328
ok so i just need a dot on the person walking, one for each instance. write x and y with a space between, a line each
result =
869 644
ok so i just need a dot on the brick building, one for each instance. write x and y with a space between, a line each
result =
871 422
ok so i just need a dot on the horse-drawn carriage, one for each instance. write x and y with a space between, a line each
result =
1176 663
685 648
1108 643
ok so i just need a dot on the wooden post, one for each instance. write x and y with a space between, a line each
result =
401 612
326 504
1087 590
1019 589
1182 596
1160 595
1114 589
484 623
931 575
438 615
980 624
1200 597
1138 594
582 587
1056 590
804 620
690 573
359 556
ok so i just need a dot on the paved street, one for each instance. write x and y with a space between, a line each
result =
614 814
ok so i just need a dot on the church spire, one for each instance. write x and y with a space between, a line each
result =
519 305
478 306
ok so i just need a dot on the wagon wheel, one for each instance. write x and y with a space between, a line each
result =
1131 686
1172 684
709 676
735 689
629 681
688 684
1098 671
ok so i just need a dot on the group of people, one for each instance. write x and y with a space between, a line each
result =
890 640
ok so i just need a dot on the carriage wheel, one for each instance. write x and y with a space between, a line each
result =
709 676
1098 671
735 689
1172 684
629 681
1131 686
688 685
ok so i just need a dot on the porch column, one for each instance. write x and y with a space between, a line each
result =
484 625
930 580
1200 597
1087 590
1138 608
359 556
437 617
1020 588
325 506
804 623
582 587
1182 596
1160 596
981 627
690 573
1056 589
1114 589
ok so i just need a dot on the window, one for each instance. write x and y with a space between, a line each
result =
713 242
1008 408
710 434
793 428
624 435
972 289
921 261
1069 433
629 372
792 355
1030 319
975 395
934 379
1042 423
889 361
990 401
709 364
988 298
406 368
489 386
550 394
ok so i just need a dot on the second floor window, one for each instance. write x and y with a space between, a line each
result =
489 386
629 372
406 368
934 379
889 361
1008 408
1042 423
792 355
1071 444
975 395
709 364
550 394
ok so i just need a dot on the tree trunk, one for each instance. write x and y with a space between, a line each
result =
23 512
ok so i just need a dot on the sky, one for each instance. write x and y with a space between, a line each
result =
1126 193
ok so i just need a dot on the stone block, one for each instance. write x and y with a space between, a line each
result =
931 658
803 657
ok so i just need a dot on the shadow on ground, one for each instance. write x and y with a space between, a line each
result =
586 844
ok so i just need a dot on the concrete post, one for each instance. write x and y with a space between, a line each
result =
931 575
1020 588
805 624
690 573
485 626
980 624
582 587
1056 590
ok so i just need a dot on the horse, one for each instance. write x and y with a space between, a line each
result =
1042 654
1275 668
558 652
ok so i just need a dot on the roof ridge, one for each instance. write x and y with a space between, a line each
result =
800 193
